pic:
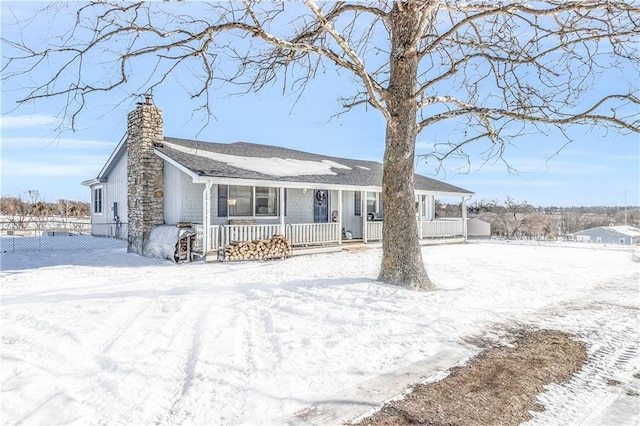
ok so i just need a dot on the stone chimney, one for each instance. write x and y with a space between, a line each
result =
144 174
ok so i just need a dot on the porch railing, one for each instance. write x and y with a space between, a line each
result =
374 231
214 238
306 234
441 228
312 233
249 232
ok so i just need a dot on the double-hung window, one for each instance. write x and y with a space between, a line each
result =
372 202
266 201
97 200
240 200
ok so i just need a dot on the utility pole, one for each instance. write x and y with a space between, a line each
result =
625 207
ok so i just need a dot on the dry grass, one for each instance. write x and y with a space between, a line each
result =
497 387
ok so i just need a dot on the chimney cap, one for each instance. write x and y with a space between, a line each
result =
148 99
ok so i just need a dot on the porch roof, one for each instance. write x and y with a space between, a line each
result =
247 161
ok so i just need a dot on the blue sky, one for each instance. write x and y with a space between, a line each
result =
596 169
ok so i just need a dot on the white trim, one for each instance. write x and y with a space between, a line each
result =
93 200
299 185
92 182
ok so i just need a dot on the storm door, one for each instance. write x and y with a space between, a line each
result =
321 206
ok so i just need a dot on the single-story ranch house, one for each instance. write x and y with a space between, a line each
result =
243 191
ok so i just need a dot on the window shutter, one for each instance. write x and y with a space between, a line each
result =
223 194
357 203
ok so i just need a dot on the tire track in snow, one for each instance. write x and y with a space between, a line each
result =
612 334
141 368
187 369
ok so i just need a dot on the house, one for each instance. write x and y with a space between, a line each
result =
243 191
609 235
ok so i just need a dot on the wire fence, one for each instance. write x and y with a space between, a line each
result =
61 235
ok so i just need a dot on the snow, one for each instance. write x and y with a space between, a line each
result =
112 338
273 166
162 242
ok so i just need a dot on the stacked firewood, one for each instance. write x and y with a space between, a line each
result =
277 247
184 246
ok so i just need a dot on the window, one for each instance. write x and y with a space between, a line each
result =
247 201
372 202
266 201
240 200
223 204
357 203
97 200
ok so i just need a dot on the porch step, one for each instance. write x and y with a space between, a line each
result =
314 250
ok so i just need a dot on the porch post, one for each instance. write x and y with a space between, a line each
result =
431 205
281 197
363 212
464 218
339 216
420 215
206 217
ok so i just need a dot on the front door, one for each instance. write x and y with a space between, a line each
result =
321 206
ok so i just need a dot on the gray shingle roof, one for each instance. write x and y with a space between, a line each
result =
360 172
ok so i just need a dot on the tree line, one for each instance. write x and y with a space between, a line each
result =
23 210
513 219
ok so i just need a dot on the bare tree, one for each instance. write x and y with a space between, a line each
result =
497 70
16 212
509 218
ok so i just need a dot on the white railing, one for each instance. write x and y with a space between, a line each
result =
233 233
214 238
313 233
301 234
374 231
441 228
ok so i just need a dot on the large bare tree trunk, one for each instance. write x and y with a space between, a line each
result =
401 255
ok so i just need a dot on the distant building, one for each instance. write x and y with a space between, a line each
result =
477 228
609 235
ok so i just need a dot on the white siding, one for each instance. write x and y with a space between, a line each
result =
182 197
478 228
299 206
114 190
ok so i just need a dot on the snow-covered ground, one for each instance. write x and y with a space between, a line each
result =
106 337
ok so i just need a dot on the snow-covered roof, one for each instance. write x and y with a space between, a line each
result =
626 230
629 231
244 160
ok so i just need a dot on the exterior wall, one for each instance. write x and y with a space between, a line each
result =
182 197
114 190
602 235
299 206
145 174
477 228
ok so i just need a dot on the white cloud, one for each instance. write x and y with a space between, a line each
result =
58 143
82 166
26 121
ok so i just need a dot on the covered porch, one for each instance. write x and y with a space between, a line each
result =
310 216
